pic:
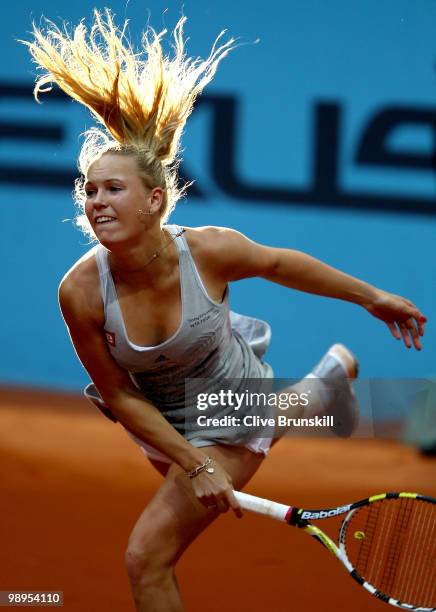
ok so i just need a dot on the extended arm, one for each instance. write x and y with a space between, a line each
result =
238 257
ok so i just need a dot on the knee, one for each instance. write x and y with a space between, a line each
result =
136 563
149 560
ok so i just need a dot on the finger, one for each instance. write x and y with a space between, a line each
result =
413 332
405 335
222 504
394 331
234 504
209 502
421 320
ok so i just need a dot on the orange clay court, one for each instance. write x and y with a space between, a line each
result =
73 485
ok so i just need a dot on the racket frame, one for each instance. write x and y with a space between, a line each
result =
300 517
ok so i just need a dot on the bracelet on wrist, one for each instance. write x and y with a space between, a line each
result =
204 467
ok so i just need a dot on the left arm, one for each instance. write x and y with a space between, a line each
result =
236 257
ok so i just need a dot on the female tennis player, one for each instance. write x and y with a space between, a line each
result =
148 307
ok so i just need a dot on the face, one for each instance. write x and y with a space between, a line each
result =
115 193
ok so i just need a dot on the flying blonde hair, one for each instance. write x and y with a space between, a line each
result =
142 100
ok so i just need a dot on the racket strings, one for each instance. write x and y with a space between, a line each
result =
365 549
417 576
392 545
424 582
398 527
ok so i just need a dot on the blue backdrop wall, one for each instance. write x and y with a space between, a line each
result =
320 137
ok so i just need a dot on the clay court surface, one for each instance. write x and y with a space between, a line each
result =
73 484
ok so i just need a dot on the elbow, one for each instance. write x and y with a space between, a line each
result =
273 265
116 397
130 407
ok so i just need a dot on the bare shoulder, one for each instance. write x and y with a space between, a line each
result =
229 254
79 290
213 240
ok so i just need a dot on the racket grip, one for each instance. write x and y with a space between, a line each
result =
263 506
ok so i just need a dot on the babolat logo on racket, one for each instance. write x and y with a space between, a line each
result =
306 514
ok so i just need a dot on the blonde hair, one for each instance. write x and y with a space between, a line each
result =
142 100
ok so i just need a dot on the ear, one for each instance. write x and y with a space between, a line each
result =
156 198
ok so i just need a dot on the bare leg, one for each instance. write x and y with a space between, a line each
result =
172 520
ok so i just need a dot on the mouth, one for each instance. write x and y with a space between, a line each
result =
104 219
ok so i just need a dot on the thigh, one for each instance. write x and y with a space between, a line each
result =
174 517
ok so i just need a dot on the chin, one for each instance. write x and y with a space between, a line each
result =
107 237
111 239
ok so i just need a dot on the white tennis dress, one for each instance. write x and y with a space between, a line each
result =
212 344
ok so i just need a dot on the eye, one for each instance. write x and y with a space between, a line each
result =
89 192
113 188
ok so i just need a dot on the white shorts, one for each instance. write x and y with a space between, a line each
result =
257 445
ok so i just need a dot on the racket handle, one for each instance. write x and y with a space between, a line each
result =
263 506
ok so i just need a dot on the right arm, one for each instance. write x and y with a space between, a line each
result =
131 409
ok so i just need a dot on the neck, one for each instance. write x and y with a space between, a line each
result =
146 259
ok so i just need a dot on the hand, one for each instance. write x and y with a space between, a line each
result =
402 317
216 490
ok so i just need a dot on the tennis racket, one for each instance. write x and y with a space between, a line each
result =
387 543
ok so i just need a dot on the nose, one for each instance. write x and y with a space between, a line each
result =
99 203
